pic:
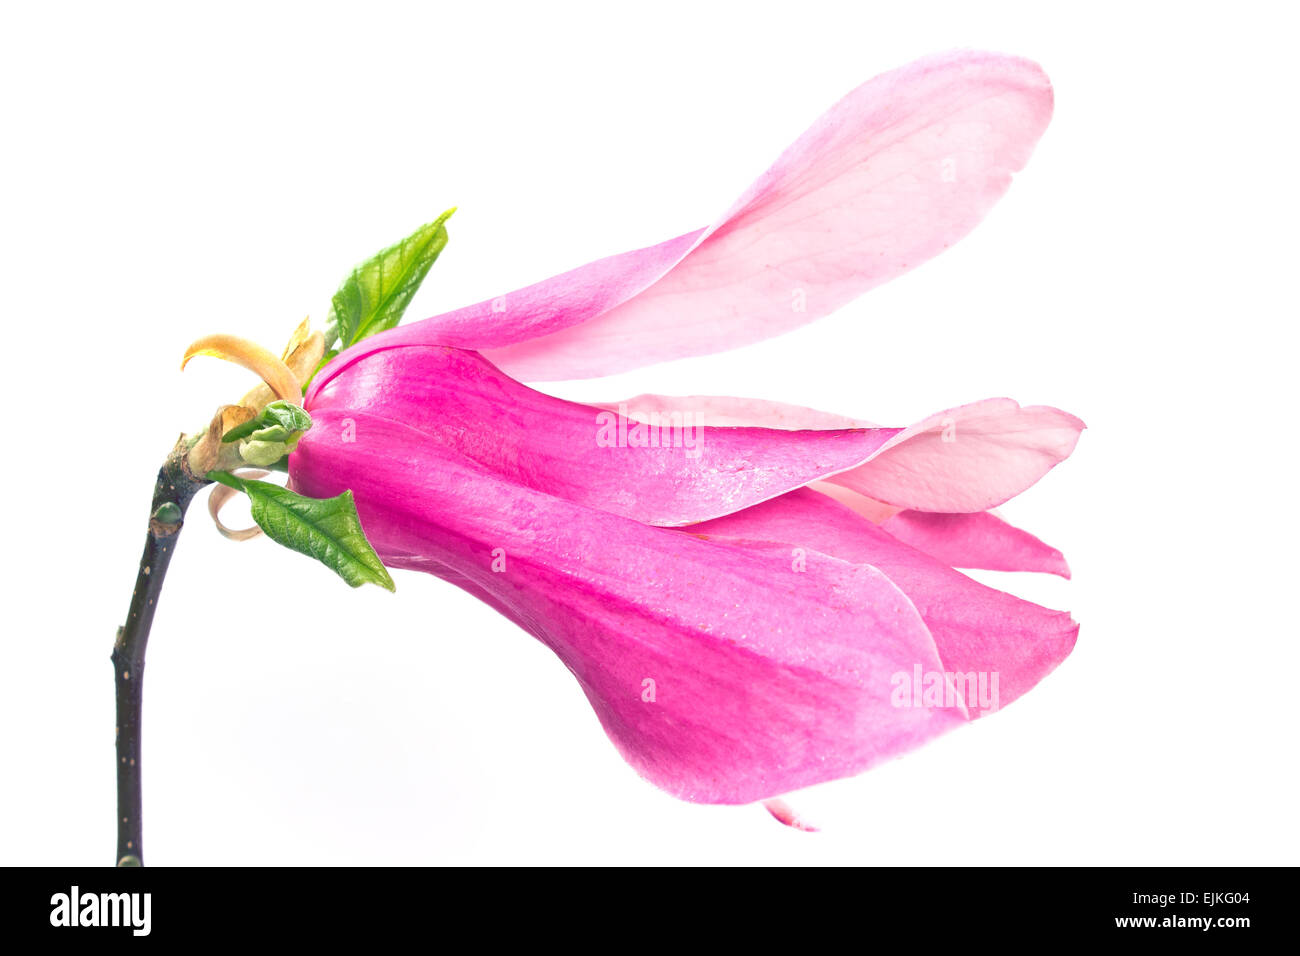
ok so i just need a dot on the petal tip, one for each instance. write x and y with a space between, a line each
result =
782 812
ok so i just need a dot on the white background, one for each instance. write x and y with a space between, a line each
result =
172 171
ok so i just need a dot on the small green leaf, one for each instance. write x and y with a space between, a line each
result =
378 291
326 529
278 414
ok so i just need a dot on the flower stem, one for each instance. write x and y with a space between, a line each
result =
175 489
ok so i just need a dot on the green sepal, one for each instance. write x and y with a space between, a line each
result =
327 529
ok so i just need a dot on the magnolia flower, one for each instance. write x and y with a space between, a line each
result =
754 597
755 647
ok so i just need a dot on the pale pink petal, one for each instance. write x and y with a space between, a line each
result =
966 459
980 540
893 174
721 673
896 172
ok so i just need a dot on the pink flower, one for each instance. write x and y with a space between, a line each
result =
754 597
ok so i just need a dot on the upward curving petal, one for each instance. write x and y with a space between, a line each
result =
894 173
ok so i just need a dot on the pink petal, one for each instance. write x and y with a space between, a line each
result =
586 454
764 679
877 512
980 540
976 629
784 813
967 459
893 174
555 303
583 453
896 172
962 460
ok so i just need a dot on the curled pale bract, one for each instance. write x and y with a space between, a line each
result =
222 494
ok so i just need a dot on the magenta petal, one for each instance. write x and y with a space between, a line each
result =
586 454
965 459
721 672
976 629
894 173
979 540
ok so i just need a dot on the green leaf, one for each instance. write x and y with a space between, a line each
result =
373 298
278 414
326 529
